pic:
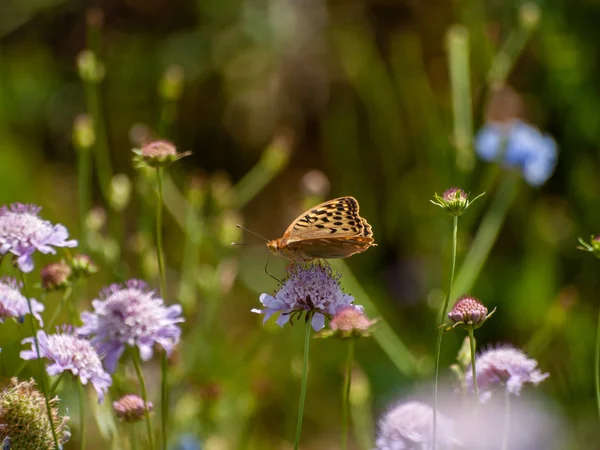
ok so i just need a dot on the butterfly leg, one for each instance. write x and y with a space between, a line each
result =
269 273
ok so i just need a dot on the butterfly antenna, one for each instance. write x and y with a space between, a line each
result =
269 273
252 232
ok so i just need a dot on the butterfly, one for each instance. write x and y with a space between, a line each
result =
333 229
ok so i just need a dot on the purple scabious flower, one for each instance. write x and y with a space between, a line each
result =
73 354
131 315
22 232
410 426
14 304
520 145
312 290
503 368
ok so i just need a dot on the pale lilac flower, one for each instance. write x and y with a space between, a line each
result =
410 426
131 315
22 232
519 145
313 290
503 368
73 354
14 304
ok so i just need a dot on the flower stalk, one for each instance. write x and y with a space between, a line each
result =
304 383
346 398
140 375
444 310
40 364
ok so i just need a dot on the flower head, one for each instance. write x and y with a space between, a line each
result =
468 311
313 291
131 408
56 276
24 420
503 368
349 322
409 426
518 145
82 266
157 154
70 353
131 315
454 201
22 232
14 304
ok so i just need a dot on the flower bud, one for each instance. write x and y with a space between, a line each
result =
83 266
171 84
315 183
84 136
158 154
454 201
277 154
56 276
469 312
120 192
530 15
131 408
349 322
96 219
90 68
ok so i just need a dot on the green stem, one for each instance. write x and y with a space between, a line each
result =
303 387
164 394
506 420
444 310
40 363
159 230
82 416
57 311
138 370
84 187
346 399
597 365
56 383
101 153
473 368
133 437
486 235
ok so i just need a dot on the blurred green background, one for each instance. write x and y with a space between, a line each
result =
285 103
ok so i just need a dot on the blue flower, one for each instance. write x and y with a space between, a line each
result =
313 290
503 368
14 304
70 353
522 146
188 442
22 232
131 315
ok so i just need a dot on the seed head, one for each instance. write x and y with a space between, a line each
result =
24 423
